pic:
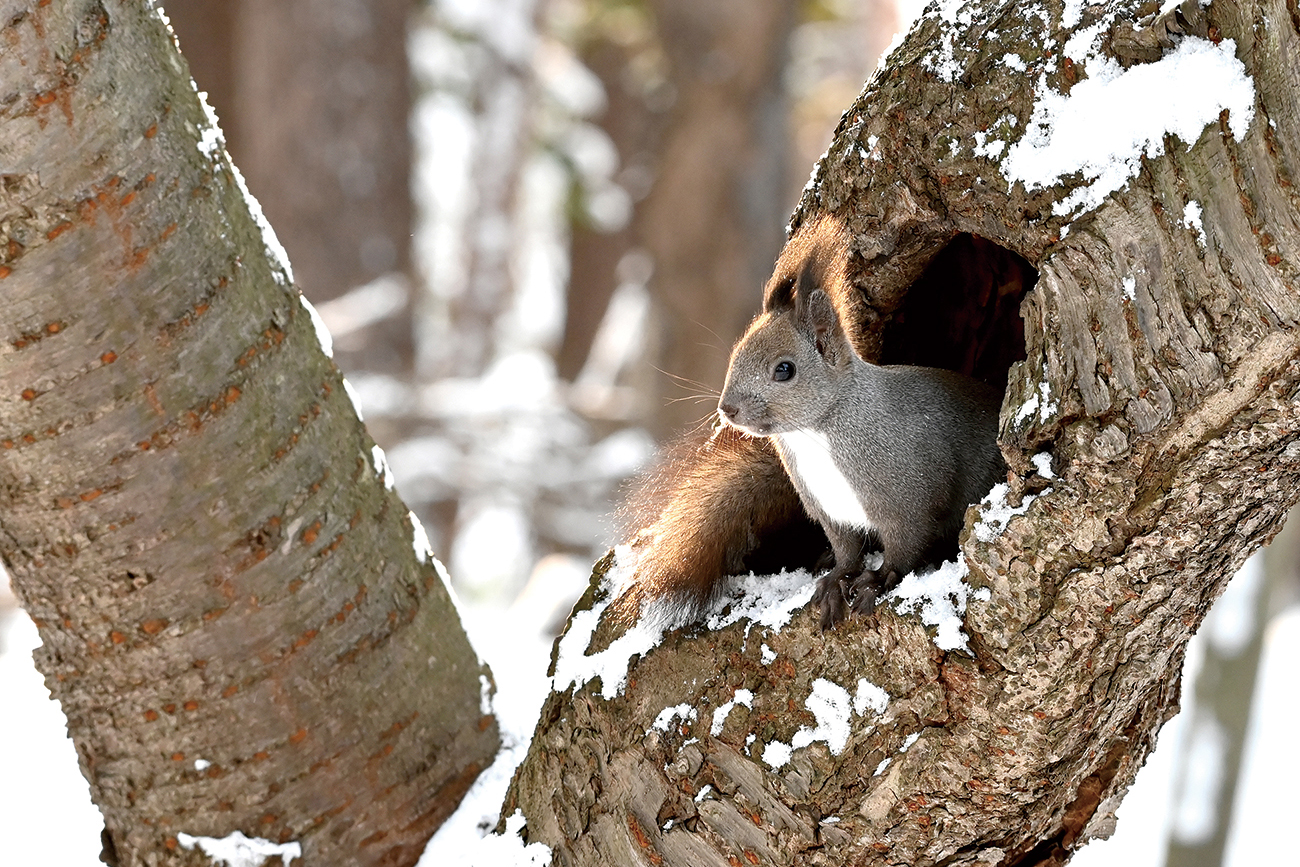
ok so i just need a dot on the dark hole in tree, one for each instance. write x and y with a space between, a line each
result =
964 312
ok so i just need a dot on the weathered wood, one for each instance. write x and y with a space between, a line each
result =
1161 376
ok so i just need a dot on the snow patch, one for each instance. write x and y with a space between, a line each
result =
236 850
777 754
1043 464
574 667
354 397
1040 403
666 716
495 850
1130 288
991 149
995 514
1192 219
765 600
940 597
420 542
1110 120
869 697
322 330
832 706
743 697
1014 62
385 472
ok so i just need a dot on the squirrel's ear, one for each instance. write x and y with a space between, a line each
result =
818 315
780 294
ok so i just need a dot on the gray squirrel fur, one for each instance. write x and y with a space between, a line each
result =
894 453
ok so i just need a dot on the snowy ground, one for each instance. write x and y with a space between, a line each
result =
46 816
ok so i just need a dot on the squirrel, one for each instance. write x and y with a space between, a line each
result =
894 453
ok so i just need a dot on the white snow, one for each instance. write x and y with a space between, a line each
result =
1043 464
742 696
322 331
484 694
574 667
236 850
1192 219
211 140
1014 62
1108 121
516 646
764 600
1130 288
777 754
940 597
1040 403
832 706
212 145
384 471
767 654
666 716
995 514
990 149
281 270
354 397
869 697
202 764
420 542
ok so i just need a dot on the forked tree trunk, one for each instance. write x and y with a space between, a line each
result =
237 614
1161 371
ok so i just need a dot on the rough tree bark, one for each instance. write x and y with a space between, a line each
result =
237 614
1161 372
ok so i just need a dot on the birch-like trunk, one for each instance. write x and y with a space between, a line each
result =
237 614
1160 378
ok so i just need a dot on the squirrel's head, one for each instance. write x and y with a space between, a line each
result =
788 369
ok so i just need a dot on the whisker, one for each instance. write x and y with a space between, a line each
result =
682 380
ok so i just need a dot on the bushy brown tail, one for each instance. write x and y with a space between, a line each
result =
711 510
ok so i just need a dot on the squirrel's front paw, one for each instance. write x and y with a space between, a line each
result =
830 597
863 592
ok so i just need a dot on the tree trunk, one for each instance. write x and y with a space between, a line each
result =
238 617
1157 395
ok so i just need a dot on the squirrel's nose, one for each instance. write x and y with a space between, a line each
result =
728 411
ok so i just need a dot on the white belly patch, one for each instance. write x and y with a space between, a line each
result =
808 455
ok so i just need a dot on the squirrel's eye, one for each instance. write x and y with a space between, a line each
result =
784 370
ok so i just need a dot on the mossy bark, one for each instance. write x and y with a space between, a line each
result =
234 615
